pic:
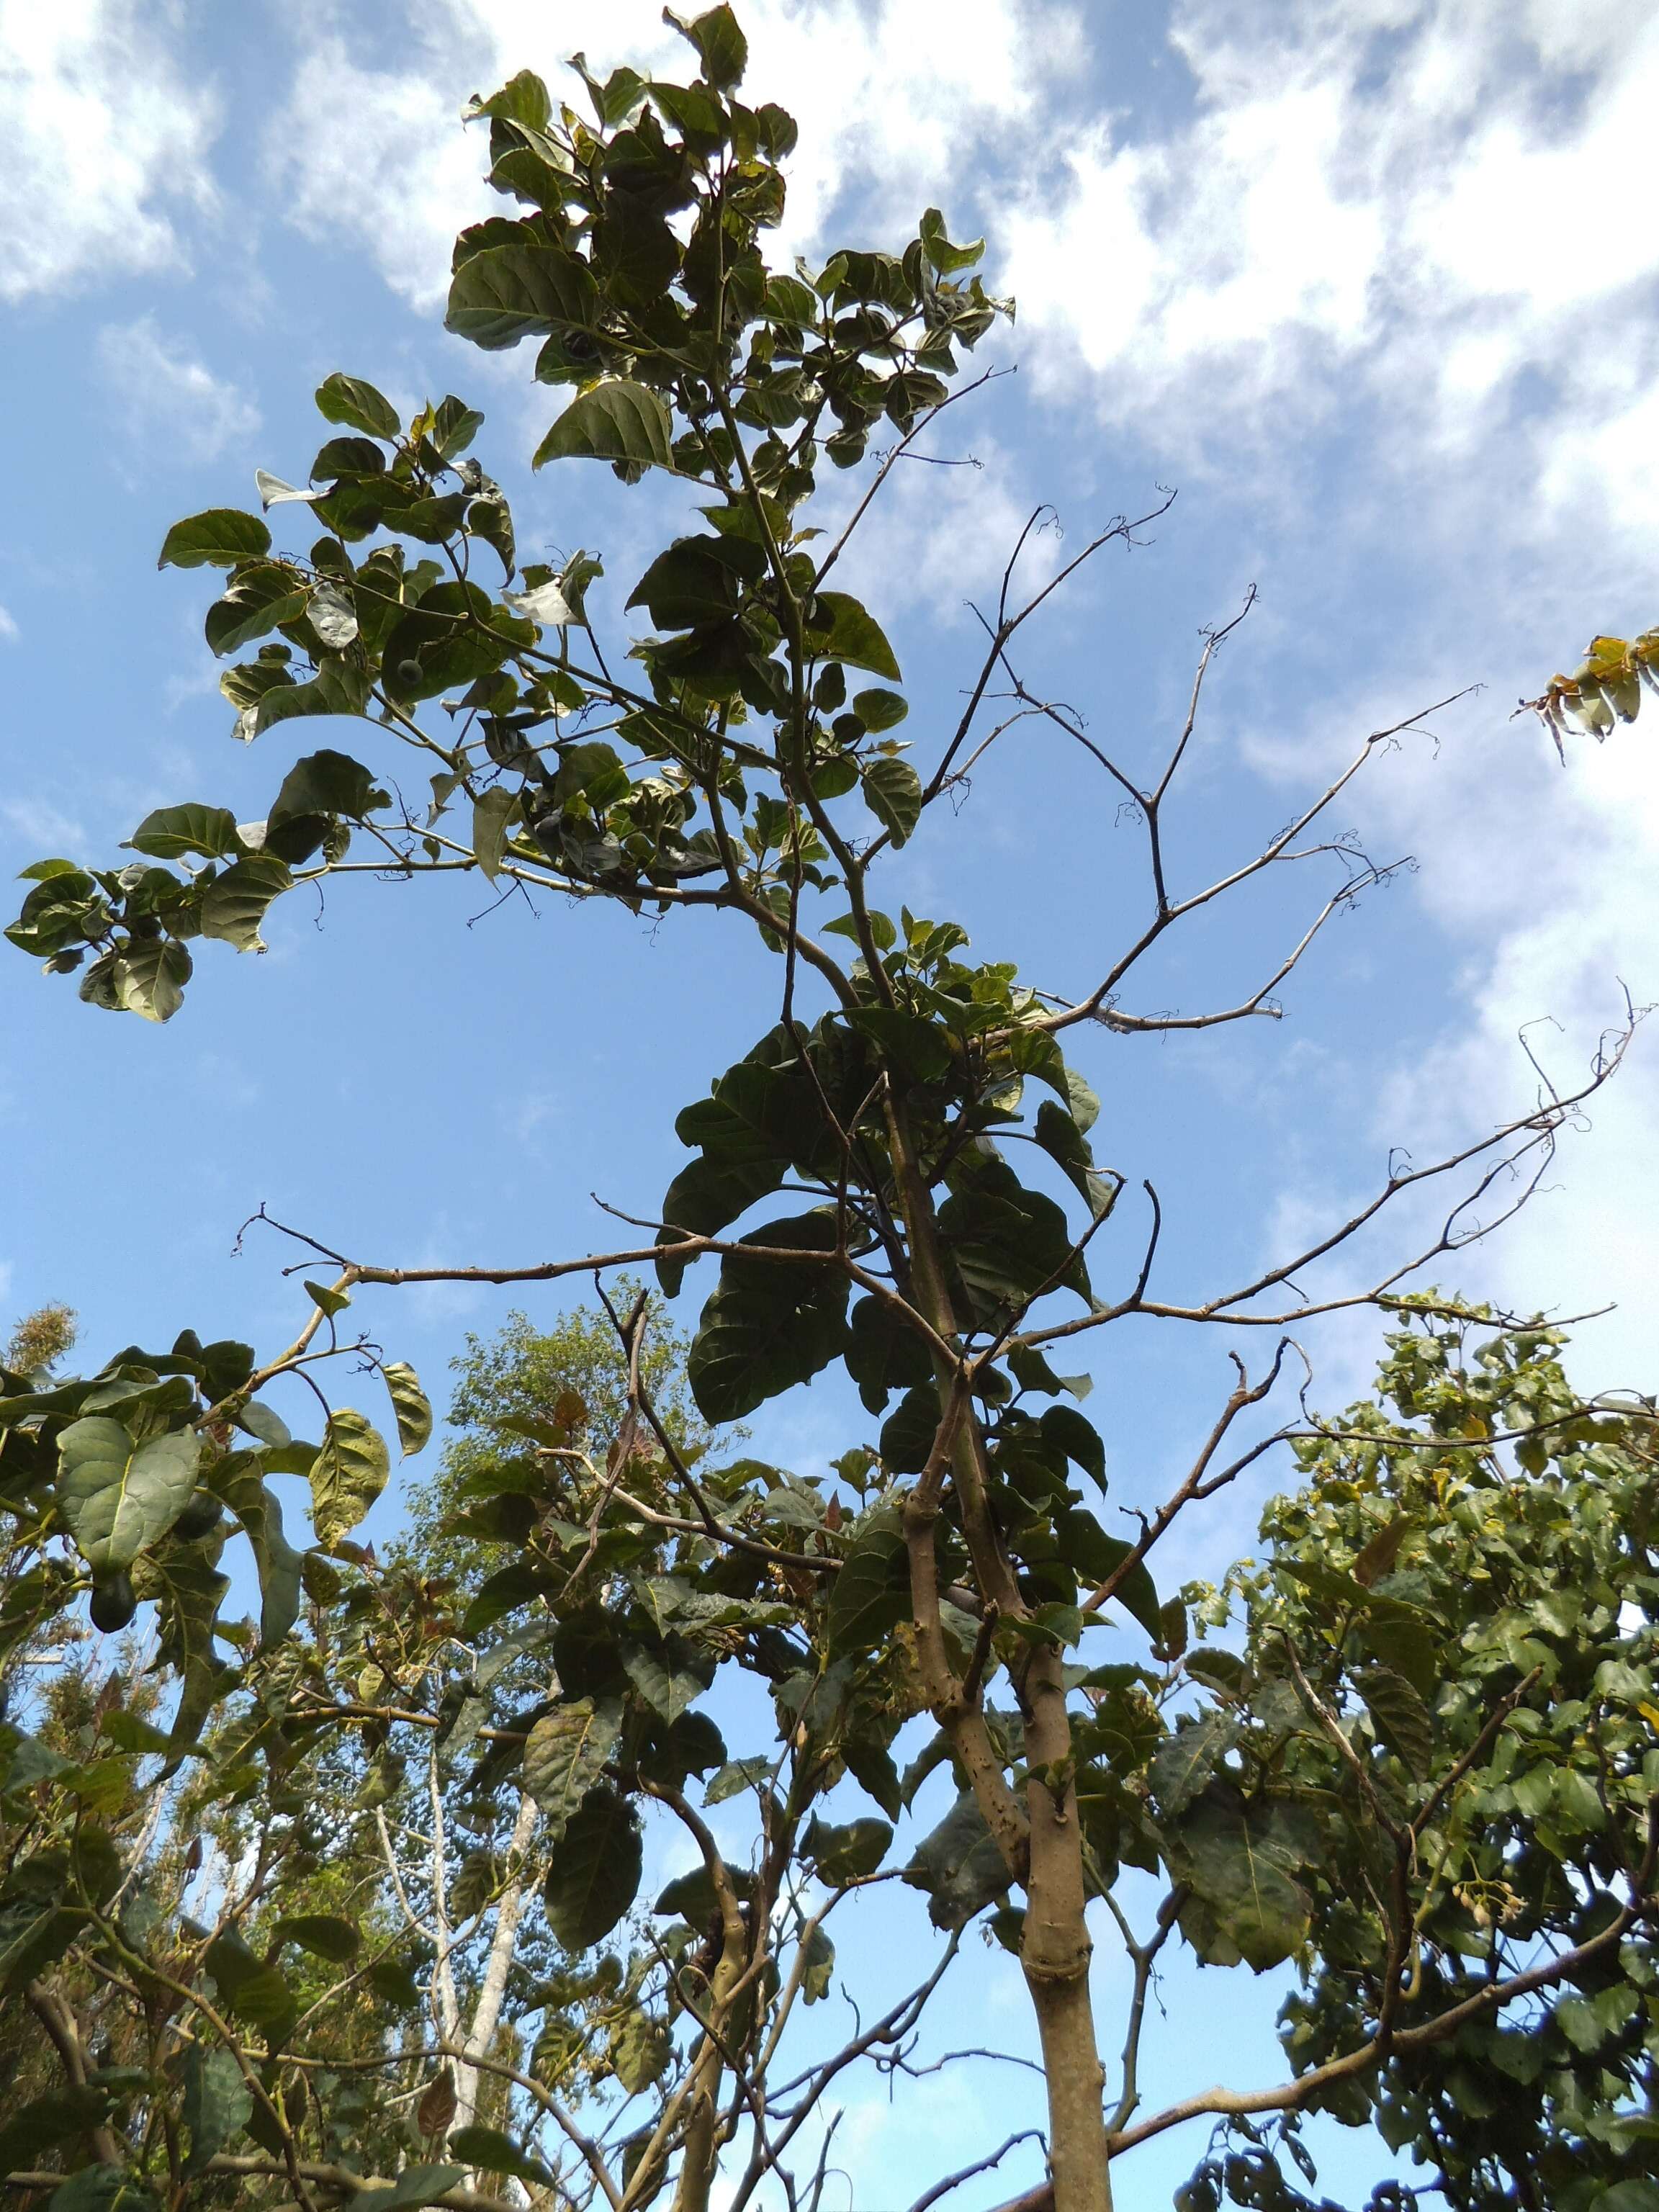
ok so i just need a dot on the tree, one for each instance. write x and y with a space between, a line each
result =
1337 1792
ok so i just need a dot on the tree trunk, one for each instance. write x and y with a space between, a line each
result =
487 2012
1056 1953
1056 1947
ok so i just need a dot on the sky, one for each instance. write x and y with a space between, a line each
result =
1371 284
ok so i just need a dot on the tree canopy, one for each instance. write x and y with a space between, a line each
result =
343 1905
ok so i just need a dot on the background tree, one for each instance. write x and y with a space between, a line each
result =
1333 1793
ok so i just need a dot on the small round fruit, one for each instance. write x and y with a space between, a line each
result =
114 1603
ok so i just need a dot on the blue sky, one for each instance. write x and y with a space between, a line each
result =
1372 283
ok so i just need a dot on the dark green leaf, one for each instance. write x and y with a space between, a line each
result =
410 1407
892 792
322 1934
872 1594
844 631
119 1496
349 399
218 539
171 831
595 1874
416 2184
347 1476
770 1324
508 292
566 1754
488 2151
614 422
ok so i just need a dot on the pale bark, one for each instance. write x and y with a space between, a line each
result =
487 2012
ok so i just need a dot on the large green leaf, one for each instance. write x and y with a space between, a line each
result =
565 1756
238 1480
234 905
173 831
488 2151
721 46
217 539
508 292
595 1874
218 2103
872 1594
1244 1858
1184 1762
770 1325
324 1934
119 1496
103 2189
614 422
670 1676
348 1474
416 2184
410 1407
844 630
349 399
959 1865
892 792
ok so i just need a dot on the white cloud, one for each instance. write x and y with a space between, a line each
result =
168 401
1425 204
106 139
9 632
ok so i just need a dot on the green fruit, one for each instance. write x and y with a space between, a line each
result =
114 1603
201 1515
408 674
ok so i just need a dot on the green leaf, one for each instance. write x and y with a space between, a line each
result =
235 904
486 2150
103 2189
150 978
323 1935
348 1474
1064 1427
872 1594
880 710
958 1863
735 1777
117 1496
818 1966
595 1874
491 813
349 399
614 422
670 1677
238 1480
50 2121
1184 1762
330 1302
845 1853
508 292
842 629
259 600
416 2184
770 1325
1097 1557
410 1407
218 2103
721 46
326 782
1244 1859
871 1767
892 792
1403 1719
217 539
565 1756
945 258
171 831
